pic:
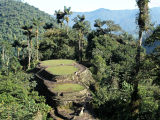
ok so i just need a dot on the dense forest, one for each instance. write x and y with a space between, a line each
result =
127 79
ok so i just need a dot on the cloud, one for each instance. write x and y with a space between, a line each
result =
154 3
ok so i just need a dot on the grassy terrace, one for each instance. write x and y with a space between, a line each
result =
62 70
60 67
51 63
68 87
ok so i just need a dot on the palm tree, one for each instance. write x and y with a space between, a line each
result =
83 28
99 24
110 27
143 23
37 23
48 26
60 17
28 32
3 47
67 12
17 46
6 53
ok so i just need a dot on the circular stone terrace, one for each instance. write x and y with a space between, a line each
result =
65 70
59 67
66 82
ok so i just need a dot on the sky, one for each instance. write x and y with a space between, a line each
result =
49 6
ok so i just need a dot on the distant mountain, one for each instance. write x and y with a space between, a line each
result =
125 18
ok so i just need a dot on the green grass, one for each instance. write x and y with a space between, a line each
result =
62 70
68 87
51 63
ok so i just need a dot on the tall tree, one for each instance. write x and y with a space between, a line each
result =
60 17
6 55
17 46
67 12
143 23
29 33
63 15
110 27
99 24
37 23
83 28
2 50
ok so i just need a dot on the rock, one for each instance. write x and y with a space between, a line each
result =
81 112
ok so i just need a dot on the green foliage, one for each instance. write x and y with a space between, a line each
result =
14 14
148 90
112 61
143 17
143 23
111 27
111 58
17 98
108 51
83 27
111 104
63 15
154 37
151 93
58 43
81 24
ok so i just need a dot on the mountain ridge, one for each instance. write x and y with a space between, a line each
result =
125 18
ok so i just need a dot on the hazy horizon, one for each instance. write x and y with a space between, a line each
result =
49 6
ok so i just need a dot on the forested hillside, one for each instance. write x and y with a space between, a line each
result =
105 67
15 14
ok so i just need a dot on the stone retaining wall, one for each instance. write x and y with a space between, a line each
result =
82 77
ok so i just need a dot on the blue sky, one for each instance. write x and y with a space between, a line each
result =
49 6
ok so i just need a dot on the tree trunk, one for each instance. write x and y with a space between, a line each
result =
18 51
135 97
67 27
31 46
79 50
115 83
80 46
29 55
37 44
3 54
